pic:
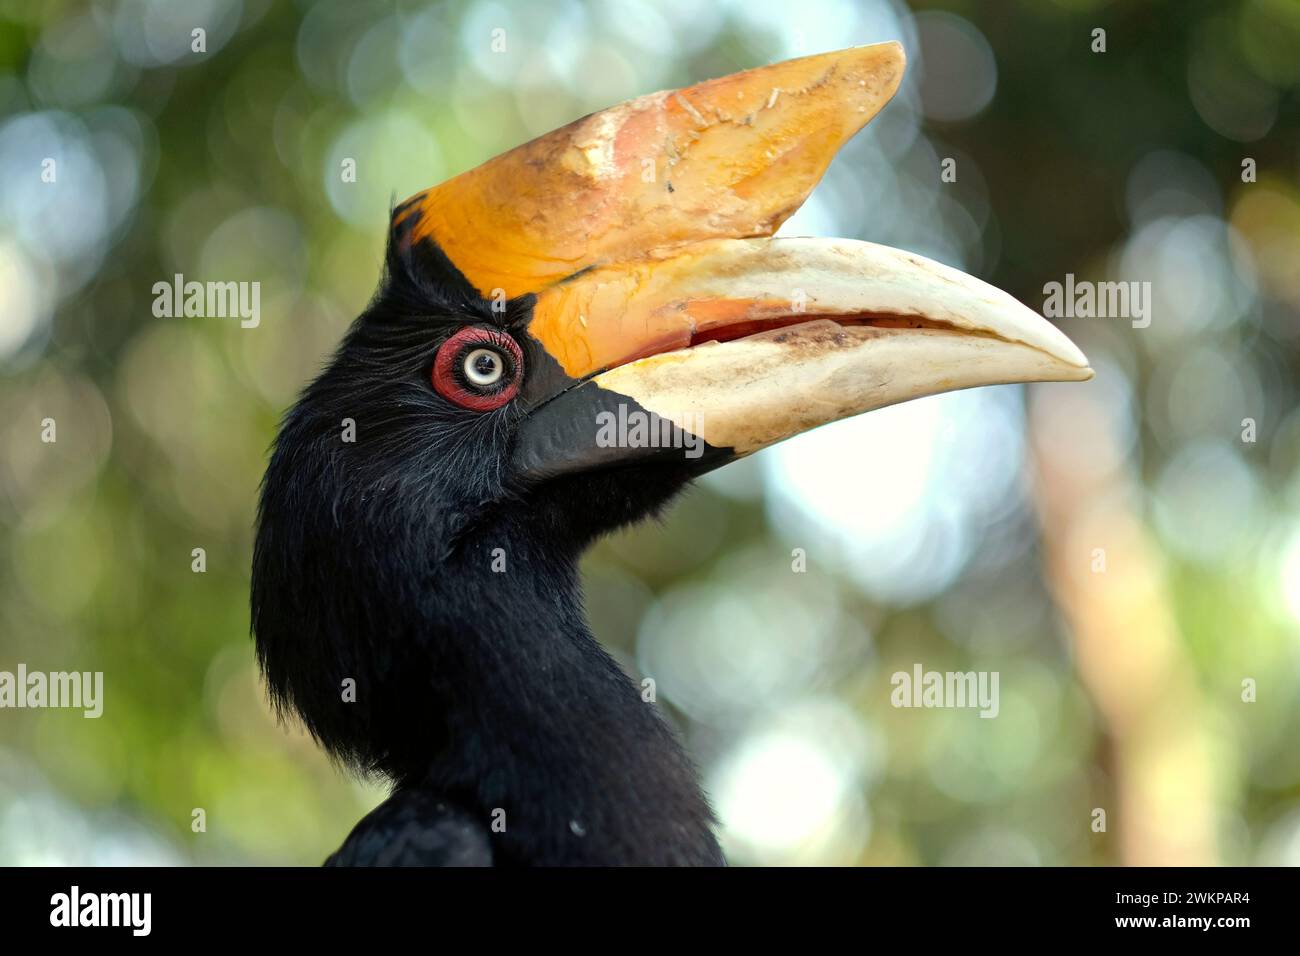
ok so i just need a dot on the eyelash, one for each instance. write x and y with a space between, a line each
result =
448 374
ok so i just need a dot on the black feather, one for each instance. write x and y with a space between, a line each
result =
475 690
411 828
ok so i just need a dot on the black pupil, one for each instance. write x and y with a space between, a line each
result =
485 364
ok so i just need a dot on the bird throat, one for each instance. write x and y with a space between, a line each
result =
546 738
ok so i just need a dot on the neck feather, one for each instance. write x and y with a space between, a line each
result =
542 724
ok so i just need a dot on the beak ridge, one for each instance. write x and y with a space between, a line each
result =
727 158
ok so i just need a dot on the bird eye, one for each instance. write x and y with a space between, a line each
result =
478 368
484 367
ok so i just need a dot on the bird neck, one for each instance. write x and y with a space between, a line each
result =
545 735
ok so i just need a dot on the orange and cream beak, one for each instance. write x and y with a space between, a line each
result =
643 232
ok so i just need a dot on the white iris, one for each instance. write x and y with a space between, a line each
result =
484 367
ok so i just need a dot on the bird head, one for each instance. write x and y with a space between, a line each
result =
564 337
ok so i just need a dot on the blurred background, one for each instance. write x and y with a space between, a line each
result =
1124 554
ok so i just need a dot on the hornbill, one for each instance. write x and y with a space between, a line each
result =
415 590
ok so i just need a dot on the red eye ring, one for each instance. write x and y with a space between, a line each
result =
451 381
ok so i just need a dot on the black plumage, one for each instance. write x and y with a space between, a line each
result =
479 692
416 828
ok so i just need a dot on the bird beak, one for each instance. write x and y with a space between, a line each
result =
667 323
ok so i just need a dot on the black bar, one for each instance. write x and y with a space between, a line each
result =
301 905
